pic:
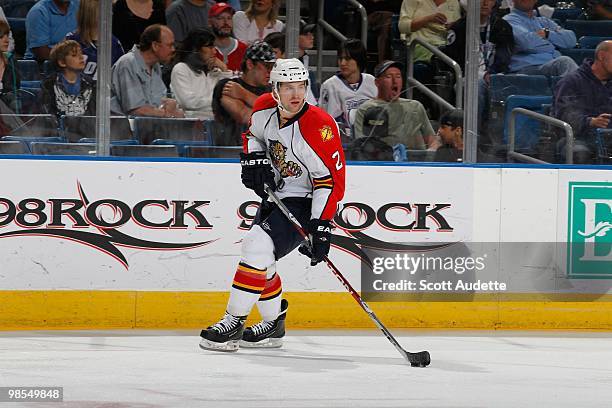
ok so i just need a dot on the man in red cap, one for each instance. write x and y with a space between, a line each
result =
229 49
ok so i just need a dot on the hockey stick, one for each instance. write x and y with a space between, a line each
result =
420 359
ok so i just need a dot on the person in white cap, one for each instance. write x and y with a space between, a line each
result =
294 148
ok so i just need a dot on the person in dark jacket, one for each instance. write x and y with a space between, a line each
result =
69 92
584 98
496 40
496 49
8 69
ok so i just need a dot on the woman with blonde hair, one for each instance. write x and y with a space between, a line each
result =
257 21
86 35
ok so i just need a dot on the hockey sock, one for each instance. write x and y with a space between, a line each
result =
269 303
248 284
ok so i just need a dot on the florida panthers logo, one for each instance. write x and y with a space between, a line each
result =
278 154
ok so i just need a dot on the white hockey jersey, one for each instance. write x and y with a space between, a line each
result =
306 154
341 101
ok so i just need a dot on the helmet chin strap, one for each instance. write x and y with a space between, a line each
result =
282 107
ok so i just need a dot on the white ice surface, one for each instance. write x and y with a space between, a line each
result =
353 369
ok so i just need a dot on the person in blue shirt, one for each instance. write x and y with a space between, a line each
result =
47 23
536 42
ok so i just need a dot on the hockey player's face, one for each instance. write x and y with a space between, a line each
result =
390 84
292 95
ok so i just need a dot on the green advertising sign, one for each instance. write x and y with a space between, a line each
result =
589 233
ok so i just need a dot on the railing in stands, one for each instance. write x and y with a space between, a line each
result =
444 58
569 147
322 24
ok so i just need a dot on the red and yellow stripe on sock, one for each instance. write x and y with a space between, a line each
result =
249 279
323 182
273 288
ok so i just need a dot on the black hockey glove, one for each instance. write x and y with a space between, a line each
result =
257 171
320 239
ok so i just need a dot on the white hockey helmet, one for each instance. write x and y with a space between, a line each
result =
287 70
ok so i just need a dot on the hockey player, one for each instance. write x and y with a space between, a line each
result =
294 148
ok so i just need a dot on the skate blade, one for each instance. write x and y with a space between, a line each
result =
228 347
265 343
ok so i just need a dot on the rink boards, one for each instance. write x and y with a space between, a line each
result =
121 244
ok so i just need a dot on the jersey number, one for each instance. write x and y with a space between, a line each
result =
336 156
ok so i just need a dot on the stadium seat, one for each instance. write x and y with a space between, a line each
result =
28 125
589 28
578 54
149 129
527 129
119 142
17 8
590 42
31 84
603 141
29 101
63 149
79 127
48 68
500 88
13 147
213 152
28 71
17 24
562 15
28 140
144 151
181 145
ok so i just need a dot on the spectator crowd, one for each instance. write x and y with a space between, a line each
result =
210 60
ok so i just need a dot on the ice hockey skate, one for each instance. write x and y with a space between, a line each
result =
223 335
266 334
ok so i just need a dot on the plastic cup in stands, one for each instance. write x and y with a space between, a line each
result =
399 153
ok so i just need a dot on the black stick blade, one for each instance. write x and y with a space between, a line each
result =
420 359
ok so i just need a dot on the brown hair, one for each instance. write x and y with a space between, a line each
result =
4 28
272 14
87 21
61 50
150 35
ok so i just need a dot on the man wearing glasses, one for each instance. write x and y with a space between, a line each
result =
137 87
